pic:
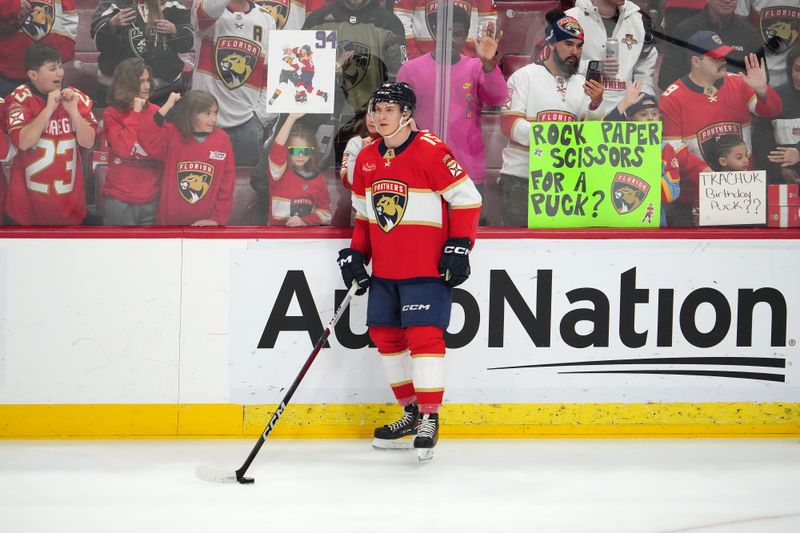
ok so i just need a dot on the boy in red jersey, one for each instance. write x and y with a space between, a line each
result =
48 125
416 217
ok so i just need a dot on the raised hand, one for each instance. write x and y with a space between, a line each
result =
594 90
633 94
755 74
486 45
69 101
139 103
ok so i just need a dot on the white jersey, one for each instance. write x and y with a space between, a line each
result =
536 96
232 60
637 53
778 23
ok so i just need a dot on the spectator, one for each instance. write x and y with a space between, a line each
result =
717 16
354 146
199 172
53 23
676 11
371 47
133 182
7 152
474 82
231 40
299 193
48 124
155 31
778 21
418 18
623 21
551 91
731 154
708 103
783 150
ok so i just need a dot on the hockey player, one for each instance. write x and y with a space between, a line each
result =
307 71
416 259
49 125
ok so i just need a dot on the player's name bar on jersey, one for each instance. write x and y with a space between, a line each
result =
196 165
239 44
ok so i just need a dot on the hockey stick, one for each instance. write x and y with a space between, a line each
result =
218 475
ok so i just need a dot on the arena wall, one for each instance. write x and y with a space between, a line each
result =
189 333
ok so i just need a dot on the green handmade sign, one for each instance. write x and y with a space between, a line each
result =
590 174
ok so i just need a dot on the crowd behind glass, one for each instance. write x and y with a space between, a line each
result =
153 112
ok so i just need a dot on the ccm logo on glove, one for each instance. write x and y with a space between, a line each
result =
351 263
454 263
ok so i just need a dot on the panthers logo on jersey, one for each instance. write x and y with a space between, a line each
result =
194 180
278 9
707 138
628 192
779 27
389 199
40 20
236 59
355 58
431 12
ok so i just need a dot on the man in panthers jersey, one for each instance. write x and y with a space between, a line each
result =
416 217
48 124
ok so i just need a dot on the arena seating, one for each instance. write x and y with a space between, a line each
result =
523 24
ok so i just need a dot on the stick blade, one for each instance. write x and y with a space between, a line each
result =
215 475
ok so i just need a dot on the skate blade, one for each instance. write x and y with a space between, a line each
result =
424 454
405 443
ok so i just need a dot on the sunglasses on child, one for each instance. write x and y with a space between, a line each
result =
300 150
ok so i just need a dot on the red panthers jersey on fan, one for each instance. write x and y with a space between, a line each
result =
409 200
51 22
199 176
46 186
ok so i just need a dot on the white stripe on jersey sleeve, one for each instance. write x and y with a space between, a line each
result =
463 194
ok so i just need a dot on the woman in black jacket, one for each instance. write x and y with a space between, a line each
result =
155 31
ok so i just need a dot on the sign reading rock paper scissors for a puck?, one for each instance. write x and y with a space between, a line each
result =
585 174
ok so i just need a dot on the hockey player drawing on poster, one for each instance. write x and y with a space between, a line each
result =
297 67
416 217
307 62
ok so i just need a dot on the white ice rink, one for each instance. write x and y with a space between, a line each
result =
344 485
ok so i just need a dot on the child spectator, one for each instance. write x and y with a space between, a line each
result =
155 31
134 179
299 193
731 154
199 167
48 125
354 146
675 162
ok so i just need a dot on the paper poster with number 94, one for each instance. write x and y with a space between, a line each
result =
302 71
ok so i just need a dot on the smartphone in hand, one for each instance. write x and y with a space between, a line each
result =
594 71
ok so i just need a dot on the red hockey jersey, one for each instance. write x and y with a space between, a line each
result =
52 22
294 196
133 177
5 151
199 177
696 116
420 36
46 186
409 201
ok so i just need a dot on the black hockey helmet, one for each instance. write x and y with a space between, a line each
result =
396 93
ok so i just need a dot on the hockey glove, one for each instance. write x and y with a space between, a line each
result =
454 263
351 263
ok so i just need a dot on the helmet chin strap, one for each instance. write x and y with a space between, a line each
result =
403 124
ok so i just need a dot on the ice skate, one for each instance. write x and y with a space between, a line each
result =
427 436
324 95
397 435
301 97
